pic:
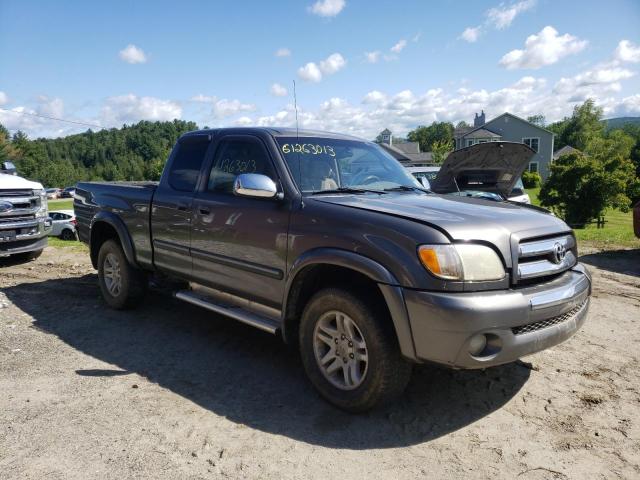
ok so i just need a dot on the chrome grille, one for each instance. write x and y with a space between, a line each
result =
549 322
25 204
544 257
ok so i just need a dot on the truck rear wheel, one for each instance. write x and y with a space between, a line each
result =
350 352
122 285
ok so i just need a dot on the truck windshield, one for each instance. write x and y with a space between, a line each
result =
327 164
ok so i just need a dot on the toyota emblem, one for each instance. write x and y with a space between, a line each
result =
559 252
6 207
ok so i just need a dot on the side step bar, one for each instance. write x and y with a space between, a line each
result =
237 313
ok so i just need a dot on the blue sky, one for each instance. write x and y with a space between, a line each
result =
360 66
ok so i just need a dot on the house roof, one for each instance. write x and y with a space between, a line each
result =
416 157
511 115
461 131
482 133
386 131
566 150
408 147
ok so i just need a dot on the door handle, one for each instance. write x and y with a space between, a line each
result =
204 210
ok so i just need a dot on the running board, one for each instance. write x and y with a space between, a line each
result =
232 311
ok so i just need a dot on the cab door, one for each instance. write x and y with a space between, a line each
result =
238 244
172 206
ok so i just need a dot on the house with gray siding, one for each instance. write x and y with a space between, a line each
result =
407 153
510 128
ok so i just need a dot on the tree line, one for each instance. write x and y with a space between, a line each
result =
133 152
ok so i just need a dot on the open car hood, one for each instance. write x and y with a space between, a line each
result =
492 167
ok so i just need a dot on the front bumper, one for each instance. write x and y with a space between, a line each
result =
24 235
515 322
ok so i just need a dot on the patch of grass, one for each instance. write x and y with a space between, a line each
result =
61 204
617 231
73 244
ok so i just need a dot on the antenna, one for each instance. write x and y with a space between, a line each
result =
295 105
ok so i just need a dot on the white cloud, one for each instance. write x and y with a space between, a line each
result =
278 90
131 108
471 34
629 105
544 48
132 54
4 99
283 52
501 16
627 52
374 96
398 47
332 64
313 72
227 108
310 73
372 57
244 121
327 8
200 98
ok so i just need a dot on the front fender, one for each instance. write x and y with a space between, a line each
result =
123 234
387 283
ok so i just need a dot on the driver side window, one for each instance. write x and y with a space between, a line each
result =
236 156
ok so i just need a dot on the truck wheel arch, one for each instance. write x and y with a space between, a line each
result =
105 226
350 263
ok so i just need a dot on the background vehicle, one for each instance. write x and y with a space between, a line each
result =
24 223
426 175
53 193
68 192
329 242
63 224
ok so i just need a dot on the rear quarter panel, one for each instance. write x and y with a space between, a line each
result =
130 202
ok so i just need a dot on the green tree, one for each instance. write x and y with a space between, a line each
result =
427 136
440 150
583 185
578 130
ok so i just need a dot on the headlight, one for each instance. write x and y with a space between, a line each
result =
43 210
465 261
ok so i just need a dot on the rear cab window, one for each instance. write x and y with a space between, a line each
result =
185 168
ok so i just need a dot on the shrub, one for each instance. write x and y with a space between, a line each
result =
582 186
531 179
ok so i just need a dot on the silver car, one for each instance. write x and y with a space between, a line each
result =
64 224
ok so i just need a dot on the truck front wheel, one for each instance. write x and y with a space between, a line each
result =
350 352
122 285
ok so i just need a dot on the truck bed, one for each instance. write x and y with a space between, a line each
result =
126 202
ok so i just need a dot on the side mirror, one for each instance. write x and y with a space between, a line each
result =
254 185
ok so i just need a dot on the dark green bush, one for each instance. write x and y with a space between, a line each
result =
531 179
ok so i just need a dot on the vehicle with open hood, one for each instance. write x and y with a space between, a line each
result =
480 171
330 243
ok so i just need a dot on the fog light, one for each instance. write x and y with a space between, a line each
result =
477 344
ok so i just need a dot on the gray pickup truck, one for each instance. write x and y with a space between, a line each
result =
329 242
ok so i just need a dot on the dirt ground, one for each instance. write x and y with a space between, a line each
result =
170 391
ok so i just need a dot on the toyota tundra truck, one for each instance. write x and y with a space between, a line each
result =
328 242
24 220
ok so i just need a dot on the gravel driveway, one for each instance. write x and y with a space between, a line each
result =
170 391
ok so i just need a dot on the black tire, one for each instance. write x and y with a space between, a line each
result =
387 372
133 282
67 234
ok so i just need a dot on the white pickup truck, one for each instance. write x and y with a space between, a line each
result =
24 219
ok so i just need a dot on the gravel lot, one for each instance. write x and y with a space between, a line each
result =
170 391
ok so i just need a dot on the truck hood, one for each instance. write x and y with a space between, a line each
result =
460 218
11 182
493 167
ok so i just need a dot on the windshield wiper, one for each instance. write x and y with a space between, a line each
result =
406 188
347 190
